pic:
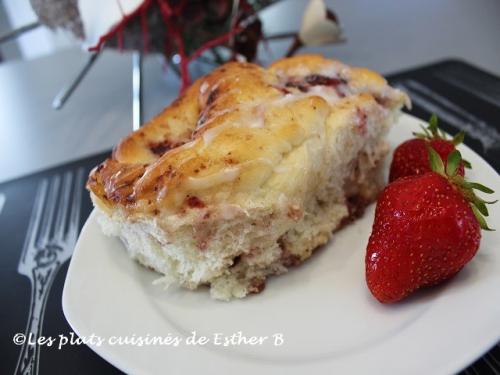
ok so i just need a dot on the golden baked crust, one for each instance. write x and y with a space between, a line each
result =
229 132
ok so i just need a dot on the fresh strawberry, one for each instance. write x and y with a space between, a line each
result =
426 228
411 157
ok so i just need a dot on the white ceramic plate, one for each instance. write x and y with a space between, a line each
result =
329 321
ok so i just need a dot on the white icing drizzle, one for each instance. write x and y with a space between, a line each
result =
163 193
203 88
187 145
261 160
210 134
280 169
256 120
328 94
226 175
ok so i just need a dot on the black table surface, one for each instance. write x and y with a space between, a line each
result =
463 96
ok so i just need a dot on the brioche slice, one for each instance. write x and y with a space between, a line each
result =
248 172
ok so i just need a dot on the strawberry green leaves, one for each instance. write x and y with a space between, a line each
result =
433 132
480 218
466 164
436 162
467 188
434 129
458 138
477 186
452 163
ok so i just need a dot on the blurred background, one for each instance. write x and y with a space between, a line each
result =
384 35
